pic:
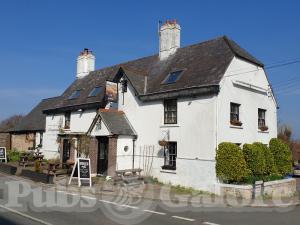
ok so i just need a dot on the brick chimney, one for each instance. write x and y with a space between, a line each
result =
85 63
169 39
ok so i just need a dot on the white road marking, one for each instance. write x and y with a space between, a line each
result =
128 206
25 215
183 218
208 223
155 212
108 202
88 197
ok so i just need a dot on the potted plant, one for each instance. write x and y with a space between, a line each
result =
163 143
264 128
236 123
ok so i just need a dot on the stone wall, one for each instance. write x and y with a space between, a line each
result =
274 189
280 188
22 142
239 191
5 140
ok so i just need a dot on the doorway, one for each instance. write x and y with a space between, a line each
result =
102 162
66 150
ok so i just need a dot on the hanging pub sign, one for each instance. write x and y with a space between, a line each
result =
3 154
111 91
82 171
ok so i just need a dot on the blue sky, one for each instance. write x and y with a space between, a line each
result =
40 40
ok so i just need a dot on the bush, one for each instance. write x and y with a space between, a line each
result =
282 156
231 166
270 168
13 155
255 159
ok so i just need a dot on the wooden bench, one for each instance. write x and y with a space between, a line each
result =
59 168
134 172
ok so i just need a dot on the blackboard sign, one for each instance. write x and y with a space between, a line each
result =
3 153
82 171
84 168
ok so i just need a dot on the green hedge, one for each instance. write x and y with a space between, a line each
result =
255 159
270 168
230 163
282 156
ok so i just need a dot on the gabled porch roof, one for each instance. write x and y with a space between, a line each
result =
115 121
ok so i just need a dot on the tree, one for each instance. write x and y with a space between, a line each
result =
10 122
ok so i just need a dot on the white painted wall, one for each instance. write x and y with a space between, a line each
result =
100 130
250 101
203 123
195 136
50 146
81 121
124 158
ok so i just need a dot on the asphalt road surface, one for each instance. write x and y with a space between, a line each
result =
51 207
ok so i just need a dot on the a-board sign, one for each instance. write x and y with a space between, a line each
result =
82 171
3 154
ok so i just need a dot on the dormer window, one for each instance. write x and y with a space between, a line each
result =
75 94
95 91
172 77
67 120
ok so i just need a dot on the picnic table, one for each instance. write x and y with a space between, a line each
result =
59 168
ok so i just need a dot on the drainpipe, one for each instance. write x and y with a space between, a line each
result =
133 152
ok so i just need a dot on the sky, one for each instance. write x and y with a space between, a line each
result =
40 41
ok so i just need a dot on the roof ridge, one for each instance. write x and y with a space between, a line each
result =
149 56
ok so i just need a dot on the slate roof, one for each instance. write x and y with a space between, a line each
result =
203 65
116 122
36 120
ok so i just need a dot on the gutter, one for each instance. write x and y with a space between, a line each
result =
182 92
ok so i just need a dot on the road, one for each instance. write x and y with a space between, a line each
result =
51 207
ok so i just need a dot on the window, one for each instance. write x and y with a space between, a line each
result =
75 94
95 92
235 114
170 111
172 77
41 139
261 118
124 86
170 155
67 120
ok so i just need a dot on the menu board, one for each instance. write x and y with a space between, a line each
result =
84 168
3 153
82 171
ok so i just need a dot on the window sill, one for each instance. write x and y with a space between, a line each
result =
169 125
263 132
168 171
236 127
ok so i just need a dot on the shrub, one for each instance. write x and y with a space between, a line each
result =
282 156
230 163
255 159
13 155
270 168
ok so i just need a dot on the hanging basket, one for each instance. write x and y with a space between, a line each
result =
163 143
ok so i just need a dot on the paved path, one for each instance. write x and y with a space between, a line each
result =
50 207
